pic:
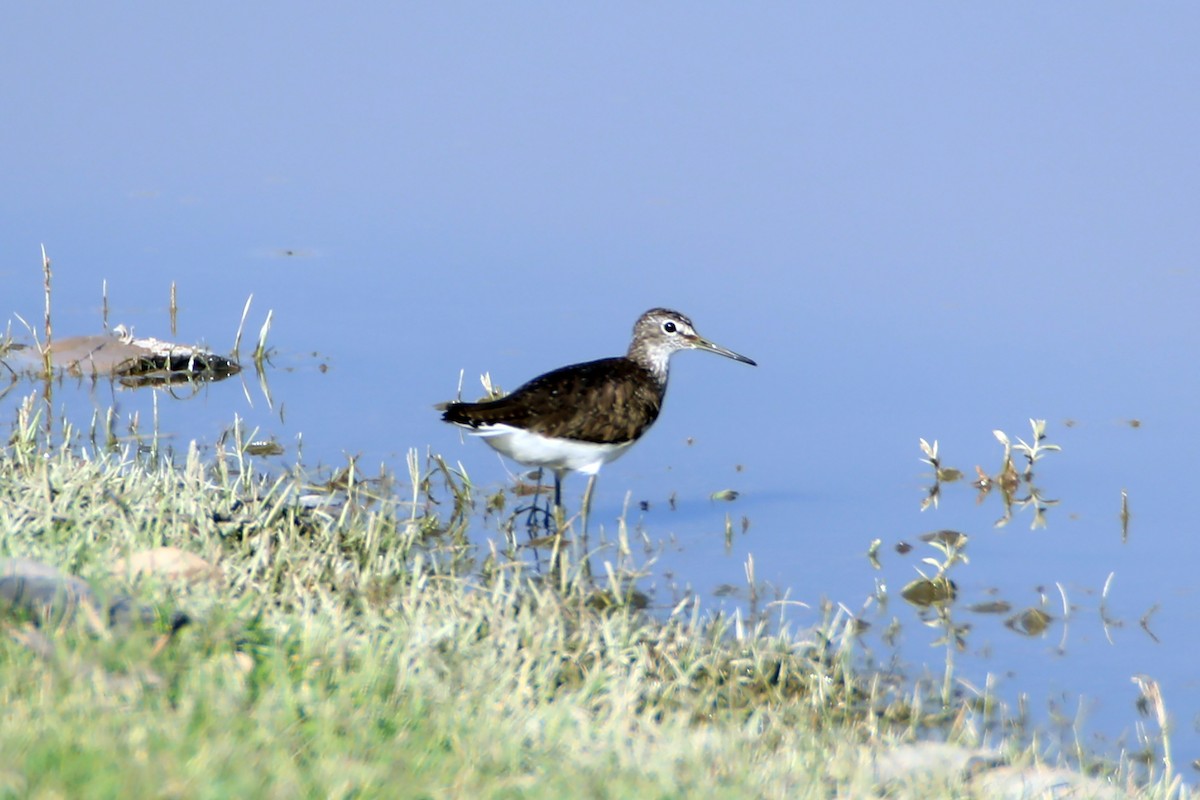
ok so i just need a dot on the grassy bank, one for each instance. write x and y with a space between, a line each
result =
348 640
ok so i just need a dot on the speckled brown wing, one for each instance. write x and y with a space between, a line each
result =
609 401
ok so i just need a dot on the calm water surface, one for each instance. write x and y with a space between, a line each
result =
926 225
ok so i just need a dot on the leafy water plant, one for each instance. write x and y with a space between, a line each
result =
1010 482
1015 488
935 593
941 474
1032 452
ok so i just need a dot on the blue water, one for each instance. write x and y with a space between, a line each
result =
926 223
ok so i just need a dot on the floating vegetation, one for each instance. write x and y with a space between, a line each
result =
1015 488
943 474
926 592
934 596
937 589
946 539
1030 622
991 607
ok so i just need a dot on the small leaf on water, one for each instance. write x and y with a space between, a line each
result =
727 495
985 480
925 592
1030 622
946 537
991 607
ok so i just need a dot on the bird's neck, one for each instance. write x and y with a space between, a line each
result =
656 360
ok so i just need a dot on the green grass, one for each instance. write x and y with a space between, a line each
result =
368 650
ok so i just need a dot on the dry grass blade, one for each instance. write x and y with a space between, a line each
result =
49 335
260 349
237 339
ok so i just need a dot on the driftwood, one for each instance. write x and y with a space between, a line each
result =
131 361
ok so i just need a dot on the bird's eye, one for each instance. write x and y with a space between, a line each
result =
669 326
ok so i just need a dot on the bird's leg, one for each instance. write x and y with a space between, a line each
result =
531 521
538 517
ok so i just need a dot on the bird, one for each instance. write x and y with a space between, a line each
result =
580 417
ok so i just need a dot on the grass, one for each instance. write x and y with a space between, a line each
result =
357 644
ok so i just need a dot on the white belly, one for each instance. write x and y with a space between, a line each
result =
536 450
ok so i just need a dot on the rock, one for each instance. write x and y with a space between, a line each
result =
937 766
42 593
932 759
170 563
1034 781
